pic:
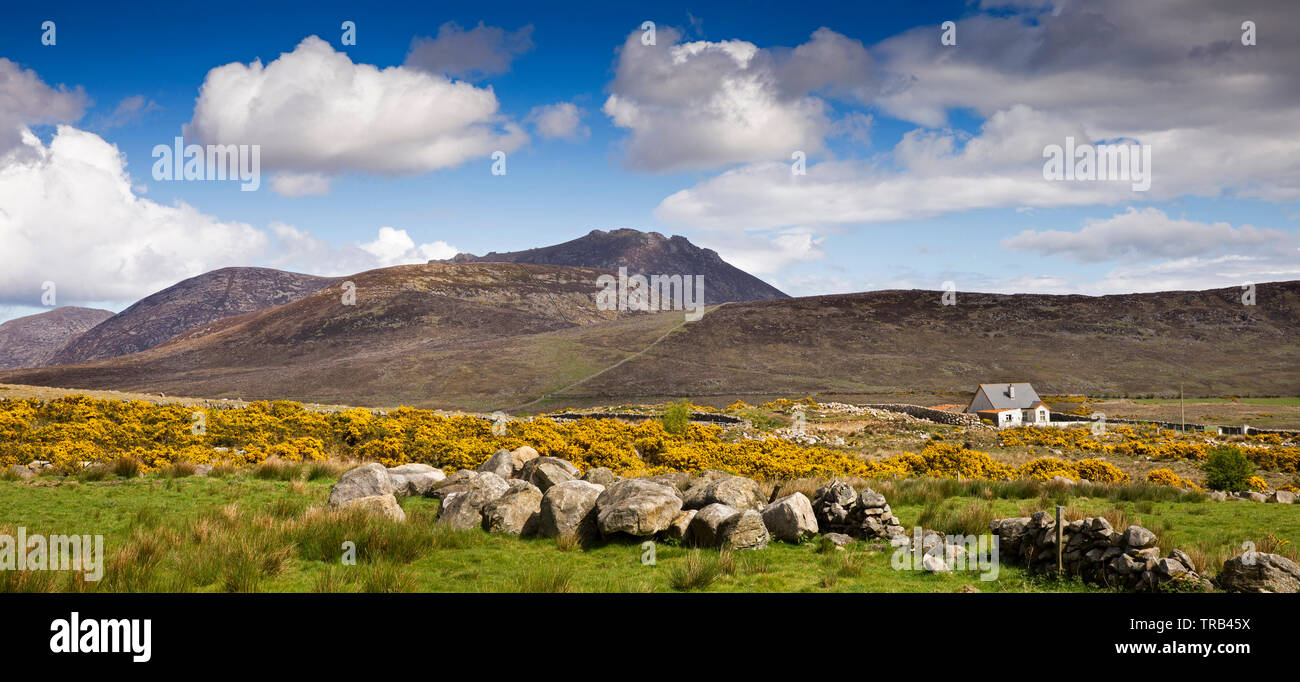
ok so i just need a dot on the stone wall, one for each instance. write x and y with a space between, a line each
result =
938 416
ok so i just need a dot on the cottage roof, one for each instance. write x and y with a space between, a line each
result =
1000 397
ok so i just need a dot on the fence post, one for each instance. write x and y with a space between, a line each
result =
1060 539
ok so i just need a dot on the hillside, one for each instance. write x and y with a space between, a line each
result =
1134 343
646 253
32 340
489 336
438 334
187 305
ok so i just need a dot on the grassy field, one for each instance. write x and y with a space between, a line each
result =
254 531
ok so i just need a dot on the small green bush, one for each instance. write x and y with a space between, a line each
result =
1227 468
676 417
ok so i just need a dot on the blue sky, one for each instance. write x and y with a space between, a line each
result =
923 159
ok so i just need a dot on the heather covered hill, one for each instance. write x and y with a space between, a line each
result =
644 253
488 336
32 340
187 305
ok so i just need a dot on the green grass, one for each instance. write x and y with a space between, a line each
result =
245 533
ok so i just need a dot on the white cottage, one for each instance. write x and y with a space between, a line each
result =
1009 405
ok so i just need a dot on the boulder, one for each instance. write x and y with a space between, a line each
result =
414 478
545 472
600 476
680 528
21 471
1253 496
1170 568
1183 559
202 470
743 531
367 480
737 492
521 456
379 505
636 507
569 509
1218 496
500 463
838 539
707 523
467 480
1282 497
790 518
677 480
1137 537
517 511
462 509
1260 573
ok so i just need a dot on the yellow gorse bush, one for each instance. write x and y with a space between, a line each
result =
1265 450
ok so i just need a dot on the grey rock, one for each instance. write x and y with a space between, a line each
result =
367 480
1258 572
414 478
734 491
636 507
467 480
838 539
1282 497
790 518
545 472
500 463
569 510
517 511
744 531
1139 537
708 522
601 476
680 528
1183 559
379 505
463 509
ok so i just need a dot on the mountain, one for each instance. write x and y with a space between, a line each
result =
416 334
1207 341
187 305
644 253
489 336
31 341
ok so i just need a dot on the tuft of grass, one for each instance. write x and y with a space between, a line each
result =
385 577
973 519
180 469
332 580
547 577
696 571
126 467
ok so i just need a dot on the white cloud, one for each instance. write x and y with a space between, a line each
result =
300 184
129 110
562 120
313 110
395 247
708 104
25 100
478 52
68 215
762 255
1150 234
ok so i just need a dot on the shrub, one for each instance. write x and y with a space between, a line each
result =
1226 468
1169 478
1257 483
1099 471
676 417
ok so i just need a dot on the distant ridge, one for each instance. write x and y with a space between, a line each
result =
188 305
645 253
32 340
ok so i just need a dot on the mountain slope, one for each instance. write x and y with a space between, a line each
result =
434 334
490 336
1135 343
645 253
186 305
32 340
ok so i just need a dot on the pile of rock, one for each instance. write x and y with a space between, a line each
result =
375 488
1096 552
866 515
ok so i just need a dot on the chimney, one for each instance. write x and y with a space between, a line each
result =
1011 391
